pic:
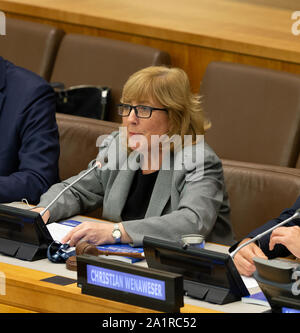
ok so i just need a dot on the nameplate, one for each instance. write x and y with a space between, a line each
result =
130 284
126 282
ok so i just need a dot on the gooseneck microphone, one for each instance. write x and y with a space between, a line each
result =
97 164
252 240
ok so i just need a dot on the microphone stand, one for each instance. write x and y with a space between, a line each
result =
96 165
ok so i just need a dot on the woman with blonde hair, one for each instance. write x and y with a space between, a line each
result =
150 190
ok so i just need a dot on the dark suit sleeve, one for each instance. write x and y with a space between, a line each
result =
279 249
38 148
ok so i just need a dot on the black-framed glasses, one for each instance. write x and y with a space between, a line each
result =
141 111
58 252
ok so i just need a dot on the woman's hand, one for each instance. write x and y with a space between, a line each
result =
46 216
95 233
289 237
243 259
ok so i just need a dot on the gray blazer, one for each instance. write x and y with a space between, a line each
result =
188 198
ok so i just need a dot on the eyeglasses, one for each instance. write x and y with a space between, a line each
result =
141 111
58 252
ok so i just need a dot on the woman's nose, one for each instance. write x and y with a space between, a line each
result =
132 118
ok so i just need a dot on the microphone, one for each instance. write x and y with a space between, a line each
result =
252 240
97 164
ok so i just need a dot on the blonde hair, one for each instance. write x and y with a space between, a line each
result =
170 87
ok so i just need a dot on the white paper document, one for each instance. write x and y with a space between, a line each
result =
250 282
58 231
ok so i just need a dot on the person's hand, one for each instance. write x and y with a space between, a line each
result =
287 236
243 259
46 216
95 233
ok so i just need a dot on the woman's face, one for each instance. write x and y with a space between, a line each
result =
140 130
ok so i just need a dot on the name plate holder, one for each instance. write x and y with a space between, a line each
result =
127 283
23 234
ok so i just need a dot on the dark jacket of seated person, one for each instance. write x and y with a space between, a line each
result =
279 250
29 141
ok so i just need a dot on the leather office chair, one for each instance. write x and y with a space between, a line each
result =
258 193
90 60
78 136
31 45
255 113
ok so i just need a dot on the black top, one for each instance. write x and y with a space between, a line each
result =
139 196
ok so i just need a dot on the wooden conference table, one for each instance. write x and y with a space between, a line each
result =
25 291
